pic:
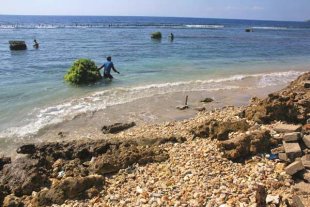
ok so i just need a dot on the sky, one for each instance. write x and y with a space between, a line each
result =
291 10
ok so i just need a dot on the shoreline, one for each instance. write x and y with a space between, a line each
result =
229 155
156 109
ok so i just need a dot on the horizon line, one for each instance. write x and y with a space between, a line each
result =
86 15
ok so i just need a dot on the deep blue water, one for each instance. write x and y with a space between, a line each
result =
33 93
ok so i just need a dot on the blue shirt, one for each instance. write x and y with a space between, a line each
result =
107 67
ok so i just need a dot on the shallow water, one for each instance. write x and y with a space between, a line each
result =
206 54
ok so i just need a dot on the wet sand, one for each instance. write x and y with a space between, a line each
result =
155 109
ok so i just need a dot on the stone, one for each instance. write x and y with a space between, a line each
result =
4 161
200 108
243 145
292 150
126 156
306 140
182 107
117 127
294 167
207 100
306 128
220 130
12 201
68 189
277 150
291 137
17 45
307 84
24 175
301 201
283 157
273 199
289 105
26 149
306 161
302 188
306 176
287 128
260 196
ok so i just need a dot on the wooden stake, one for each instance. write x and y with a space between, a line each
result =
186 100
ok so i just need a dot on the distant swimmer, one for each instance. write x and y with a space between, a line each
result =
107 68
36 44
171 36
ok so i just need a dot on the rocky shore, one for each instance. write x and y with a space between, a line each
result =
258 155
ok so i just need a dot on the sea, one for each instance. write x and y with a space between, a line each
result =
205 54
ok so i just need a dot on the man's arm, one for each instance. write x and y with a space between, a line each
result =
100 67
114 69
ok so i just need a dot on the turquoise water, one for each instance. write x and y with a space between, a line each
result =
205 54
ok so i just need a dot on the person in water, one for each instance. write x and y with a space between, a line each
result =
171 36
36 44
107 68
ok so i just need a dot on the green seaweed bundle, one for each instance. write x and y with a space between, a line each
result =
156 35
83 71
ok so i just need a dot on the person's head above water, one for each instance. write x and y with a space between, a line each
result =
109 58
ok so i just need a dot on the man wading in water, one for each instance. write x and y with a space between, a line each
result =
107 68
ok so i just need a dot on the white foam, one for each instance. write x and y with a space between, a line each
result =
40 118
271 28
204 26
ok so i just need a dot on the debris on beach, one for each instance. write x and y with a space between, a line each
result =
258 155
117 127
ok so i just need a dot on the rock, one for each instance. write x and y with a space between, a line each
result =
306 128
292 150
183 107
261 194
220 130
306 140
244 145
17 45
126 156
301 201
290 104
4 161
306 161
26 149
12 201
291 137
294 167
307 84
200 108
277 150
271 199
207 100
287 128
302 188
3 193
306 175
24 175
156 35
117 127
74 149
283 157
68 189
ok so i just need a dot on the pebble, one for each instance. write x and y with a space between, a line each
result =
196 174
